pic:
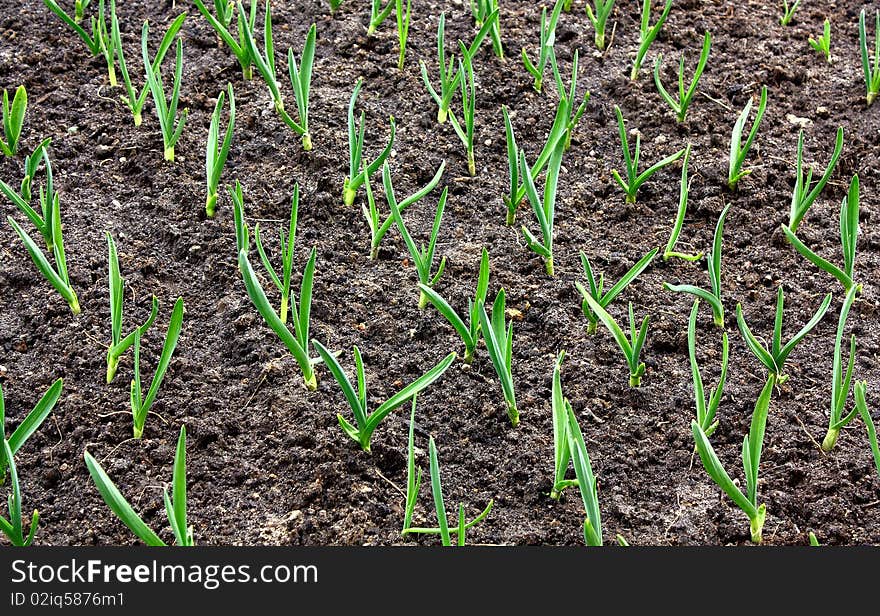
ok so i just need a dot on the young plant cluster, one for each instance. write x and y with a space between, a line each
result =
288 312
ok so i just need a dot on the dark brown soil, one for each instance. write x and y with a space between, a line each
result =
267 460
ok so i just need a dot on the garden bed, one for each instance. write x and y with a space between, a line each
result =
267 460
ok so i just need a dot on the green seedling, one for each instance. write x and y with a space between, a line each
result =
561 451
632 346
216 152
133 100
367 421
751 457
586 480
175 503
634 180
379 14
443 529
482 10
449 76
872 71
823 43
597 287
499 346
814 542
788 11
31 163
358 172
841 379
287 247
683 191
685 96
79 7
300 74
29 425
99 42
706 411
862 407
805 193
41 219
465 128
738 150
14 528
378 228
57 276
166 109
13 120
598 15
849 231
713 297
511 200
335 4
413 474
296 342
470 334
647 34
221 25
774 357
545 50
118 343
422 257
544 208
403 20
557 135
140 404
567 98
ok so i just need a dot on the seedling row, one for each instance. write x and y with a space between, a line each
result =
144 70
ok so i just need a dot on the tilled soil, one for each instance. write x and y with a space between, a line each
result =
268 463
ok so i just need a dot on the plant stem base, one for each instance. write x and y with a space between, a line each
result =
830 439
210 205
756 524
348 195
311 381
282 313
112 364
513 414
